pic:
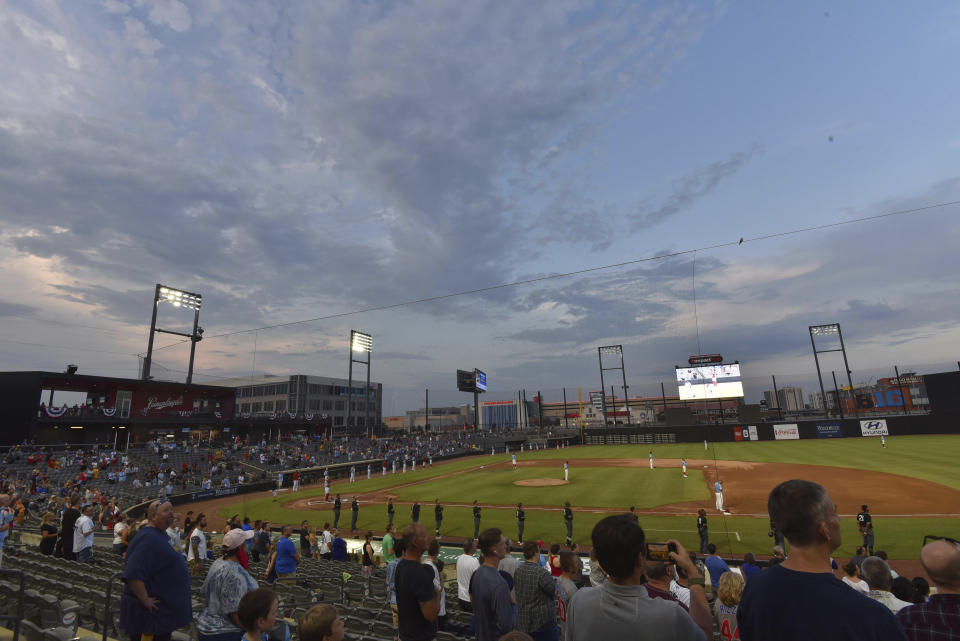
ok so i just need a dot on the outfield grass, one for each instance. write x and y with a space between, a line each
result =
931 458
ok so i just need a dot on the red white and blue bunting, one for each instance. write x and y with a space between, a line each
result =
108 411
55 412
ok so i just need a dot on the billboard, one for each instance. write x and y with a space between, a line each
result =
709 381
481 381
876 427
829 429
786 432
753 433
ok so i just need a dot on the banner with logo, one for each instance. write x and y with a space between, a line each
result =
875 427
753 432
829 429
786 432
738 433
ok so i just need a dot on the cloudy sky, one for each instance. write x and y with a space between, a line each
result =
306 160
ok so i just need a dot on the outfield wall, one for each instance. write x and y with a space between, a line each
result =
785 430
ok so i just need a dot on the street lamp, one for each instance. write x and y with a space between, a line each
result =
363 344
177 298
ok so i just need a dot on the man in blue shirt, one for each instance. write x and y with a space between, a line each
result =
285 558
715 566
156 594
493 615
801 598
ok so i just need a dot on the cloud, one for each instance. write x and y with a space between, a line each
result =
691 188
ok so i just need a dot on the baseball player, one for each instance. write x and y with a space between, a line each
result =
390 512
404 465
568 520
566 471
865 525
394 466
683 466
883 441
438 514
368 471
355 512
521 517
651 460
415 512
353 473
514 458
718 492
326 489
336 512
476 519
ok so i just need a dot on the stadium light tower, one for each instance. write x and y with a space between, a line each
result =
830 329
177 298
361 343
613 350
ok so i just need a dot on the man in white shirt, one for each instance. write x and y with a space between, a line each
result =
197 545
83 535
467 564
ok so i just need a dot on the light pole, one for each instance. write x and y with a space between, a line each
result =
177 298
362 343
829 330
612 350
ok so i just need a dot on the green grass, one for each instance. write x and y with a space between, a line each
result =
932 458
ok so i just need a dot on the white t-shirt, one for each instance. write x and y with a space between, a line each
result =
83 534
437 585
118 532
860 586
466 566
201 544
325 540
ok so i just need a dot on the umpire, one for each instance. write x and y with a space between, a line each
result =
568 519
476 519
521 517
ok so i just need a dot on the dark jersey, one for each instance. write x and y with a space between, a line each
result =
567 514
415 511
864 522
476 511
390 509
701 523
438 511
355 506
336 504
521 515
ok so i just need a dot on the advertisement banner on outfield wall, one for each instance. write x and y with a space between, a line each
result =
786 431
876 427
753 432
737 433
829 429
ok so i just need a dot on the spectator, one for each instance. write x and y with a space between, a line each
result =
749 567
678 583
921 590
859 557
321 623
467 564
325 542
553 561
418 600
304 533
536 596
226 583
725 607
597 575
387 547
174 533
715 566
48 535
391 581
902 588
852 578
257 613
285 558
83 535
338 547
939 617
778 556
433 560
366 568
198 544
801 598
118 529
156 594
658 583
566 588
492 612
261 540
620 608
509 563
876 573
67 521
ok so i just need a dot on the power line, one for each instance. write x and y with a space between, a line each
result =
636 261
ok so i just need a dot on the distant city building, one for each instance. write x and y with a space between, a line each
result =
324 398
440 419
789 399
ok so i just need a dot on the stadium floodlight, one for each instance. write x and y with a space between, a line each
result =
363 343
825 330
360 342
177 298
612 350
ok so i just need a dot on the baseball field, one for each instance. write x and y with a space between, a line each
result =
912 487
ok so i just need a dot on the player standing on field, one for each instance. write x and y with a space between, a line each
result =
521 517
568 520
476 519
865 524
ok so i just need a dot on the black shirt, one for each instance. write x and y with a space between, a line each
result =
520 515
701 523
414 585
304 542
355 506
46 545
390 509
415 511
476 511
567 514
865 522
438 511
69 519
336 504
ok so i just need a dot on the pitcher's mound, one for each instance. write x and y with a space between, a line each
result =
540 482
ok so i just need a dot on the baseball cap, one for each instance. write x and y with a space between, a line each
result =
236 537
